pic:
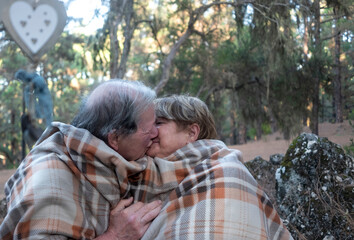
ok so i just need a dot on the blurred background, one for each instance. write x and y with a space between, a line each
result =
262 66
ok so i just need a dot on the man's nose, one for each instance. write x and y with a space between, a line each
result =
154 132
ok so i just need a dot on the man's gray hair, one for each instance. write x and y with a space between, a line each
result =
115 105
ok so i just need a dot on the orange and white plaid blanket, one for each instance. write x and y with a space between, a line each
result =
67 185
208 194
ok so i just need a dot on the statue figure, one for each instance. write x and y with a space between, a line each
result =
42 98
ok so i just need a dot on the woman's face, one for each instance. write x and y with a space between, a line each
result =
169 140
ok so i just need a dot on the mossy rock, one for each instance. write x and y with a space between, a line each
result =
315 188
264 172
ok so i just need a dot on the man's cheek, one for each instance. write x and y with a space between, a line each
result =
147 141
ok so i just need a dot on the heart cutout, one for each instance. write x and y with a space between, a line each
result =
34 25
23 23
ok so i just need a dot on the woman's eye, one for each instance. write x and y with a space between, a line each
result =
160 121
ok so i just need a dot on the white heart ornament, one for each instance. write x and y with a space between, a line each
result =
35 25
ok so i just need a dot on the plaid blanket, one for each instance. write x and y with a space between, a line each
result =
208 194
65 187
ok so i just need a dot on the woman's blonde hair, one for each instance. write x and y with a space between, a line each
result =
186 110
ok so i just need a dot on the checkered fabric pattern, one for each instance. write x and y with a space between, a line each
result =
208 194
65 187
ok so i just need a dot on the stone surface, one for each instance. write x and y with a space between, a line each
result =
264 172
315 189
276 158
3 209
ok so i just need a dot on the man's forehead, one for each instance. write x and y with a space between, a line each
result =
148 117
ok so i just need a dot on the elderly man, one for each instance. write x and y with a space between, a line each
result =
74 181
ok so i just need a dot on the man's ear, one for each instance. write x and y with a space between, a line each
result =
194 131
113 141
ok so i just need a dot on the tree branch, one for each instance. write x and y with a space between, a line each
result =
332 19
154 33
194 16
128 35
330 37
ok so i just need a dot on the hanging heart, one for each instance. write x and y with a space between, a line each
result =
34 25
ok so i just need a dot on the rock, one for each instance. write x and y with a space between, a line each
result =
315 189
276 159
3 209
264 172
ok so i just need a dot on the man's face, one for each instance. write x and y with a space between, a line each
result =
134 146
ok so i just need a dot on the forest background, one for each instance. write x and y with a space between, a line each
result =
260 65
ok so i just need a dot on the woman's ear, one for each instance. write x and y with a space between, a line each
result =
194 131
113 141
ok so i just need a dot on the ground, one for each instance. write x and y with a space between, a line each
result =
339 133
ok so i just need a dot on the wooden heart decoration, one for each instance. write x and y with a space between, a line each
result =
34 25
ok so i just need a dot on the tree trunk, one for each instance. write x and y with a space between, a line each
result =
337 72
114 42
317 69
306 37
259 119
242 133
120 9
233 117
167 64
13 140
307 28
128 35
259 128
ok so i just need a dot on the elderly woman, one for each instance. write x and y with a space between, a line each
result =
207 192
180 120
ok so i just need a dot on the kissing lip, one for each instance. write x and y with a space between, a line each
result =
155 140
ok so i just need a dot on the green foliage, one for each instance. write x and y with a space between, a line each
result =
252 133
66 105
11 110
246 62
351 116
350 148
12 58
266 129
59 67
